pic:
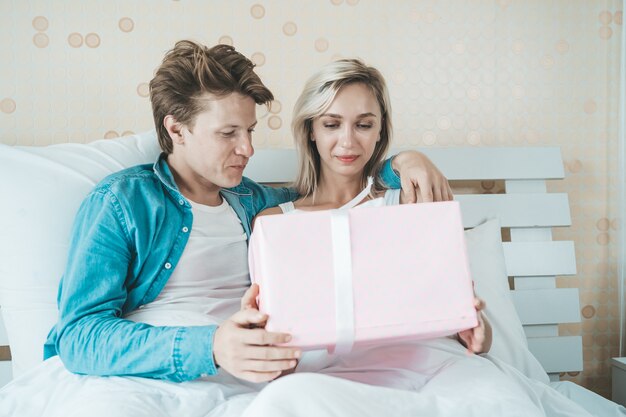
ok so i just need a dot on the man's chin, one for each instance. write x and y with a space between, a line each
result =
231 182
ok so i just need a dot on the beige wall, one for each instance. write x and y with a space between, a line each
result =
461 73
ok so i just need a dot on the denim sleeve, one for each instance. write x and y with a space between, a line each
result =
389 176
265 196
90 336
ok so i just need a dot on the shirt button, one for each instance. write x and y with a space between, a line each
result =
168 265
185 229
181 202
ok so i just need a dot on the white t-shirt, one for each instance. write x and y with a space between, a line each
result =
211 277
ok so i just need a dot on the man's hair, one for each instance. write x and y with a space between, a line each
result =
316 97
190 70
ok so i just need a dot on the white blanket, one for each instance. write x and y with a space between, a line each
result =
440 380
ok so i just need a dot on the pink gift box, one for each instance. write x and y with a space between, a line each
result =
368 275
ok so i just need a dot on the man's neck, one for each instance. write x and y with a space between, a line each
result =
193 187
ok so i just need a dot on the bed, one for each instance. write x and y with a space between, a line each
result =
43 187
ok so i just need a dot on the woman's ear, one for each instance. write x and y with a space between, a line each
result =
174 129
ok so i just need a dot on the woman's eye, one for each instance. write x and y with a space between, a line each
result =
364 126
330 125
228 134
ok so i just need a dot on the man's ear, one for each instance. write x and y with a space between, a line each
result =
174 129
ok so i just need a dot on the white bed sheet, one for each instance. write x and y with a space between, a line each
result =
461 385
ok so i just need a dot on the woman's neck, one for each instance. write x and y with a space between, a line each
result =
333 191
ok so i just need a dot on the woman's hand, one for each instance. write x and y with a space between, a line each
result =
478 339
420 179
246 350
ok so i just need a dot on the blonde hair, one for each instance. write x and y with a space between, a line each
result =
317 96
190 70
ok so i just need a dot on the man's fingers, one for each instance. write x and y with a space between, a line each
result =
258 376
248 316
249 298
272 353
261 337
267 366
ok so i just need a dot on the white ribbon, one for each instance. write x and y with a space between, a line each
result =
342 268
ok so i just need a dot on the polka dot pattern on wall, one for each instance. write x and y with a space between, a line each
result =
617 17
7 105
257 11
603 224
473 93
290 28
562 46
40 23
275 107
605 17
429 138
143 90
274 122
92 40
321 45
547 61
590 106
603 239
605 32
588 311
473 138
336 2
258 59
41 40
126 24
75 40
111 134
225 40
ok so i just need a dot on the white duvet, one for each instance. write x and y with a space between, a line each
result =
435 378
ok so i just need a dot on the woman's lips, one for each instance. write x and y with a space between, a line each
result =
347 158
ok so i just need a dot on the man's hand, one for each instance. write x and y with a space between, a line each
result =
478 339
243 348
421 180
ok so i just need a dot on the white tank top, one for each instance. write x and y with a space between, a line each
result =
391 198
211 277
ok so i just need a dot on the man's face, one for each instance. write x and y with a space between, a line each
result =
215 148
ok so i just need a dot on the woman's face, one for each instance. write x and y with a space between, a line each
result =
347 133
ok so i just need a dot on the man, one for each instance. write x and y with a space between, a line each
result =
157 265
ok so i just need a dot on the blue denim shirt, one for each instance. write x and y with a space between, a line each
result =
128 237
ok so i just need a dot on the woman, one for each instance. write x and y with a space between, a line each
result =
342 128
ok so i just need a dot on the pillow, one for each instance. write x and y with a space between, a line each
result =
486 258
42 188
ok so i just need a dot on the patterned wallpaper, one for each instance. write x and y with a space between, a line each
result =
461 72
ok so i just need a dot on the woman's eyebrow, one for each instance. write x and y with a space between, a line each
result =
338 116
